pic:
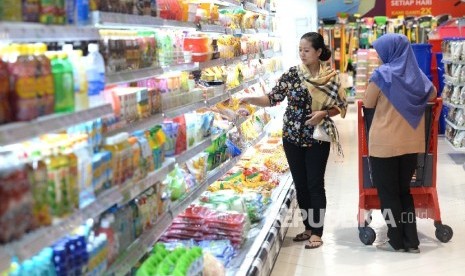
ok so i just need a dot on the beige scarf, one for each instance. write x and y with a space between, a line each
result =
326 92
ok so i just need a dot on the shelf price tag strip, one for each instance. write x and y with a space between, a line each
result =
18 132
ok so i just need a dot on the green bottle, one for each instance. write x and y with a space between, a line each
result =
63 80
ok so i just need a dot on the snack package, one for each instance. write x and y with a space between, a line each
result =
181 137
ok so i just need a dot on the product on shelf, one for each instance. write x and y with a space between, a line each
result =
180 261
453 92
95 75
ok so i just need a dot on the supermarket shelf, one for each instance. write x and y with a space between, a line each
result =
174 112
131 190
145 73
109 19
139 248
32 243
132 75
181 67
34 32
236 60
233 31
236 89
254 8
190 153
454 147
218 99
211 63
241 264
449 104
455 126
138 125
18 132
142 245
212 28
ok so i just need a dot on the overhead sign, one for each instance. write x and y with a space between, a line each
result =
395 8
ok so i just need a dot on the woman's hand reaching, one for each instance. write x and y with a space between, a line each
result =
315 118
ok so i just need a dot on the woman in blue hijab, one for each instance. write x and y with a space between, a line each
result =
399 91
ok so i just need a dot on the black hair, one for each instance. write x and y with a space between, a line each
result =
318 42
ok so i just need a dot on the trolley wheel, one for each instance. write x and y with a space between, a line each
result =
367 235
444 233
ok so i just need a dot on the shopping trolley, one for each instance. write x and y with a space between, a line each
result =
423 184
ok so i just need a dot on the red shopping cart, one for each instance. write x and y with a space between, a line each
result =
422 187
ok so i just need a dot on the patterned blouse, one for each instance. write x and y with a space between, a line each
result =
299 107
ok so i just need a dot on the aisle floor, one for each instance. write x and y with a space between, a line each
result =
342 252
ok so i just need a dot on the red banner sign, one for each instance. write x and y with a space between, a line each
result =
394 8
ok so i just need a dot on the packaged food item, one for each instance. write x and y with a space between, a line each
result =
171 130
181 137
157 140
31 10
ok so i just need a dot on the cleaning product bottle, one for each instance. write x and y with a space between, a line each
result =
95 75
81 98
63 83
44 80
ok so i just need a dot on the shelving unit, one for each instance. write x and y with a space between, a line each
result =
33 242
452 82
143 244
34 32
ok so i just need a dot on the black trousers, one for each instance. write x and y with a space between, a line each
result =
392 177
308 165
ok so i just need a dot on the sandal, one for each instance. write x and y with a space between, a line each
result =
313 244
301 237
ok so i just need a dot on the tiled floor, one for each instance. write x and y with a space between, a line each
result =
344 254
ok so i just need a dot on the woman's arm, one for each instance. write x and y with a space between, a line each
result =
263 101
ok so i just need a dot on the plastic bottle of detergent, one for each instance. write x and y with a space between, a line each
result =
81 98
95 75
63 82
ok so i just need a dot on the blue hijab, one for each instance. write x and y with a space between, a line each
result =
399 77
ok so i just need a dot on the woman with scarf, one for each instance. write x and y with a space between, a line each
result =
314 96
399 91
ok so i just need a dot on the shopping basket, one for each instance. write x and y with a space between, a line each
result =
423 184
